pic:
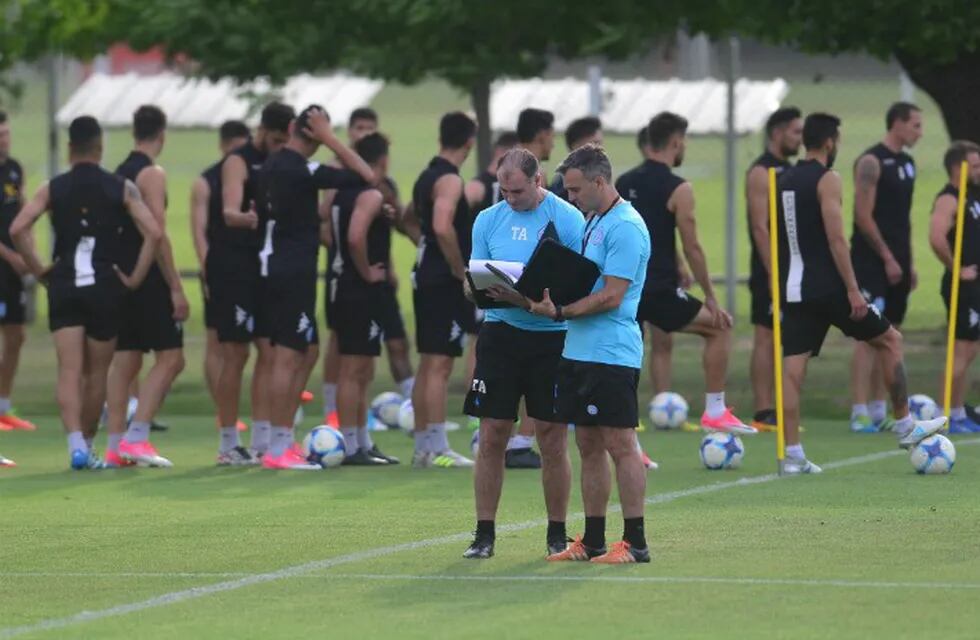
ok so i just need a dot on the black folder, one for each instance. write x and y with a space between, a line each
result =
567 274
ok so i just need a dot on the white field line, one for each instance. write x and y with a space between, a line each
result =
194 593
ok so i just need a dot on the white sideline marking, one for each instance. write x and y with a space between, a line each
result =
327 563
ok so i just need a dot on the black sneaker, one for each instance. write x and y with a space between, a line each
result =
972 413
522 459
363 459
480 549
159 426
376 452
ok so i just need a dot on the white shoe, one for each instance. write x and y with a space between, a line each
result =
452 426
421 459
449 459
922 430
798 466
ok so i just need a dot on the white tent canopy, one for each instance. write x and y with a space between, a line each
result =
197 102
628 105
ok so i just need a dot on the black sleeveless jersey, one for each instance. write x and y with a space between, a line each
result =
971 229
431 266
378 238
557 187
806 265
491 191
87 211
12 183
239 238
893 205
216 216
130 239
758 278
648 187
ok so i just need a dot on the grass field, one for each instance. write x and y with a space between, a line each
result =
869 549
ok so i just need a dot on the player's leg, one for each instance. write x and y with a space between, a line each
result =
356 372
964 352
878 405
98 358
234 356
488 482
661 359
804 329
596 485
212 363
433 397
261 396
125 367
520 448
862 369
69 344
331 377
13 341
761 374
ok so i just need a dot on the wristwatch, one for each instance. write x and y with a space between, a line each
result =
559 316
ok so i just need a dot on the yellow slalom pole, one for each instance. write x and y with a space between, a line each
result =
954 294
777 321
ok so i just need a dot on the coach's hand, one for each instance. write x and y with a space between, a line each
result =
968 273
181 307
859 306
719 317
508 295
544 308
893 270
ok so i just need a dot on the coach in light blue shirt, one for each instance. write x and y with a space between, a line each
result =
603 353
517 353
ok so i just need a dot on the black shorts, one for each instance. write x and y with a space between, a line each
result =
329 294
233 283
967 310
13 298
761 307
668 310
290 301
805 324
511 364
443 317
358 324
892 300
147 318
592 394
95 307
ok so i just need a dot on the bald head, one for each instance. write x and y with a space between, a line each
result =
518 159
518 177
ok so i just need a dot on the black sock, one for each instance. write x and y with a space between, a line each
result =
485 528
595 532
633 532
556 530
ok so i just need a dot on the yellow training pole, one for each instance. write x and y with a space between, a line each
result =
954 294
777 322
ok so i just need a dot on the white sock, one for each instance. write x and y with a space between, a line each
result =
421 440
282 437
406 386
795 451
114 440
329 398
878 409
137 432
364 439
859 410
4 406
351 445
903 425
76 441
229 439
714 404
957 413
438 442
636 437
520 442
131 407
261 435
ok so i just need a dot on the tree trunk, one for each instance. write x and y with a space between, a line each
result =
954 86
480 98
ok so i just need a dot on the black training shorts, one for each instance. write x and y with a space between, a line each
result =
668 310
967 310
13 298
94 307
805 324
147 318
443 317
290 301
892 300
592 394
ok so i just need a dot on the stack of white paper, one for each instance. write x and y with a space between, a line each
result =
484 277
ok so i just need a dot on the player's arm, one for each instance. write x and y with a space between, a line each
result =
367 207
326 217
475 191
148 227
20 231
234 173
757 198
408 223
152 183
200 194
867 172
831 205
681 204
446 193
943 219
10 256
319 129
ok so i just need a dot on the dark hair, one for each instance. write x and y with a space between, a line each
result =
3 117
818 128
455 130
149 121
372 147
83 133
506 140
642 138
232 129
899 111
581 129
957 153
276 116
520 159
531 122
362 113
590 159
663 127
781 117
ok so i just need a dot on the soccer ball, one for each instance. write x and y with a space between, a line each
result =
721 451
386 407
325 446
922 407
475 443
935 454
406 415
668 410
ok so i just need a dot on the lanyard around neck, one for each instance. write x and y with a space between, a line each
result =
590 227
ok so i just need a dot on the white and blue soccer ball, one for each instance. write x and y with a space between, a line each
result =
922 407
406 415
324 446
721 451
385 408
668 410
934 455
